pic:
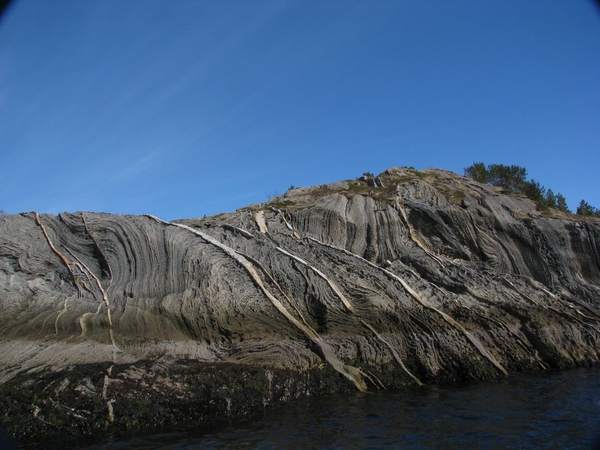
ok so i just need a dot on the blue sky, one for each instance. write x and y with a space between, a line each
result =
187 108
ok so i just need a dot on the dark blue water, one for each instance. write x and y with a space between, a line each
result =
557 411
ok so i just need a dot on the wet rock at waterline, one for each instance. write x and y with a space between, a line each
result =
123 322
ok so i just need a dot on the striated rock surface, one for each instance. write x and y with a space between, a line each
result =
123 322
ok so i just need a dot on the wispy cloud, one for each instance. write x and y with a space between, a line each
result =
138 167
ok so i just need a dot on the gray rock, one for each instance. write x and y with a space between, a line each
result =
432 278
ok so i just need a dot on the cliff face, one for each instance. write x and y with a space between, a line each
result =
409 278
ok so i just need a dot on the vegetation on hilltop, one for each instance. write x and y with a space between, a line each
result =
513 180
585 209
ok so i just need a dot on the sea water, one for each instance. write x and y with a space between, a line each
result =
558 410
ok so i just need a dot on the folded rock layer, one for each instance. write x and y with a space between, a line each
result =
124 322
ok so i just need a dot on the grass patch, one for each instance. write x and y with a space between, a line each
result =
358 187
282 205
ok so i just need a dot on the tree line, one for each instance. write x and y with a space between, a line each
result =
513 180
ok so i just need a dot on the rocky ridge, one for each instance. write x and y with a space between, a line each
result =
409 278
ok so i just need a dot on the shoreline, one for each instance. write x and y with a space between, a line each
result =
150 396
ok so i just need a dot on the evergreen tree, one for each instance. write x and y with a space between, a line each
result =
561 203
585 209
535 191
551 199
511 178
478 172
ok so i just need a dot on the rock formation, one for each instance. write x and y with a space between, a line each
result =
116 322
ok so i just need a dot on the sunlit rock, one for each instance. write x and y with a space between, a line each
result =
126 322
